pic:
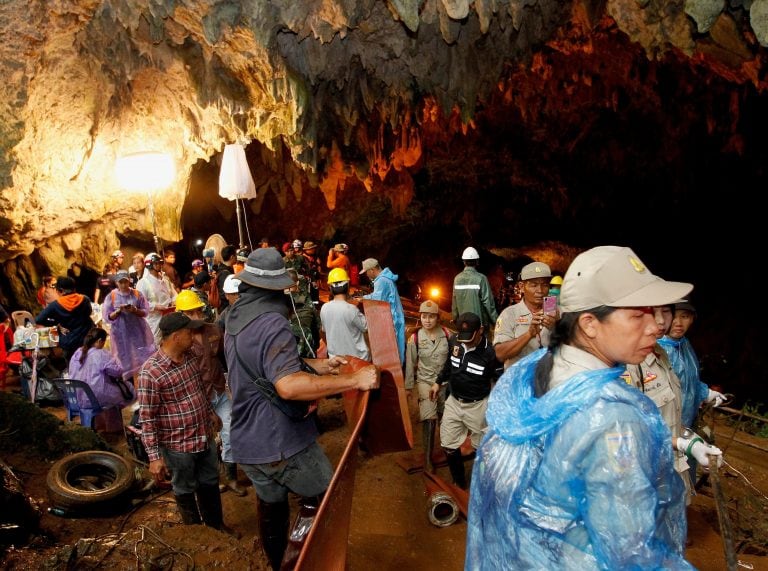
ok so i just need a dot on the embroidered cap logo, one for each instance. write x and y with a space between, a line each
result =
637 264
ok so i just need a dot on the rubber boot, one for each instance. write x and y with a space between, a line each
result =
302 525
273 529
230 469
188 509
428 439
209 501
456 466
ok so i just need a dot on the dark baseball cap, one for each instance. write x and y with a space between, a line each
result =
65 283
172 322
467 324
202 278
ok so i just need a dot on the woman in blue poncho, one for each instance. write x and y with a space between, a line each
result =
576 470
686 364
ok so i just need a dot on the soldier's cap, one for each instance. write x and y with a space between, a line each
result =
265 268
429 306
467 324
614 276
535 270
176 321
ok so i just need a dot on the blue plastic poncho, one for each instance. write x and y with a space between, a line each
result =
581 478
384 289
686 366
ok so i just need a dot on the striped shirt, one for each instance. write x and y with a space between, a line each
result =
470 373
174 411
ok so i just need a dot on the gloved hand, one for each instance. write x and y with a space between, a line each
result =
715 398
696 448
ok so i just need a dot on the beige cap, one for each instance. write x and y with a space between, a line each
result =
616 277
429 306
369 263
535 270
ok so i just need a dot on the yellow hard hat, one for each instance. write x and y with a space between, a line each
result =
557 280
187 299
337 275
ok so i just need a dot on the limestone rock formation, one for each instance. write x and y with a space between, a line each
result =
333 95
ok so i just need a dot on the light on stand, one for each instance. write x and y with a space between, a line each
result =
146 172
235 181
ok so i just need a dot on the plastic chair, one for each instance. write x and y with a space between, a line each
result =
68 389
20 317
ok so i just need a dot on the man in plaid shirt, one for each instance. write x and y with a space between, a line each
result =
178 423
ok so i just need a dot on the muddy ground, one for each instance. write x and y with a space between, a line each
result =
390 529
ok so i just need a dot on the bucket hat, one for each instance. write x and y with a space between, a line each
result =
265 268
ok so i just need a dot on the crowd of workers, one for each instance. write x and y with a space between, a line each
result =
580 413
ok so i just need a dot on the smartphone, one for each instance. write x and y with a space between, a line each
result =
550 305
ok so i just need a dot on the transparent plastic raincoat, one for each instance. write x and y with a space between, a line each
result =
686 366
581 478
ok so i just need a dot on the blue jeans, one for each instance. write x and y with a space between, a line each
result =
191 469
222 405
307 473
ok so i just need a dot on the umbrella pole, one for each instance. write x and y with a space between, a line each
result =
239 213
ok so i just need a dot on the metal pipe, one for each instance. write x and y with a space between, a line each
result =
442 510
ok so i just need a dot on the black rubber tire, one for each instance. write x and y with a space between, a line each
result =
109 477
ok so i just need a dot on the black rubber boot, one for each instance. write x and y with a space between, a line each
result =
307 511
456 466
230 468
428 439
273 529
188 509
209 500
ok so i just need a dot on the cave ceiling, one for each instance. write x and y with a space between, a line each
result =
487 116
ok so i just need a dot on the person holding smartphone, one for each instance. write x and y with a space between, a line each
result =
524 327
125 310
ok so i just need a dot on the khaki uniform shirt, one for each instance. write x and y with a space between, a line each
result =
514 322
656 379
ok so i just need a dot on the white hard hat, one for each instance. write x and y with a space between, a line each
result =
470 254
231 284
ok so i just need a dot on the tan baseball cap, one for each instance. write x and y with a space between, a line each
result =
616 277
535 270
429 306
370 263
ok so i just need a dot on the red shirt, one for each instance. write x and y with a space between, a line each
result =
174 411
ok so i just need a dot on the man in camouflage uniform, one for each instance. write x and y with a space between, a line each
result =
295 260
305 321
